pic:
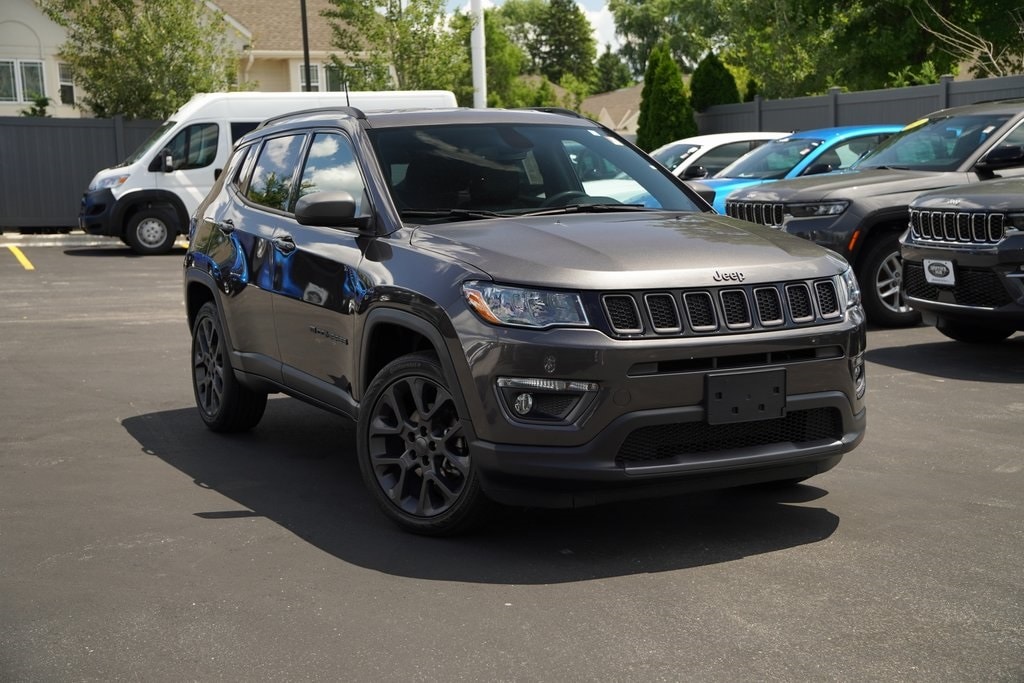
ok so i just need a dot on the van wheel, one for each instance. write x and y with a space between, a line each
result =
881 276
151 231
224 404
413 452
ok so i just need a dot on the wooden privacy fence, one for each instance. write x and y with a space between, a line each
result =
46 164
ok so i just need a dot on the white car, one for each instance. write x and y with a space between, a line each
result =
705 155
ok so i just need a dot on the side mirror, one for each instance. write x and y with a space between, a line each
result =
694 172
1004 156
817 169
331 210
167 161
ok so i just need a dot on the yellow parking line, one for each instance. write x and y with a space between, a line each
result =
22 259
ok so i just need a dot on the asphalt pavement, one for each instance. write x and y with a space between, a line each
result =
135 545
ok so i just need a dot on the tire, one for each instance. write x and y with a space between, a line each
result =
880 276
413 454
151 231
972 333
224 404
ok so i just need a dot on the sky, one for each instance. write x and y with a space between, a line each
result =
596 11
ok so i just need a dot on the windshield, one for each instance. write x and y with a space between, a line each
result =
940 144
772 160
457 171
144 147
670 156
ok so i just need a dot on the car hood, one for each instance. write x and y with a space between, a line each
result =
627 250
850 185
996 195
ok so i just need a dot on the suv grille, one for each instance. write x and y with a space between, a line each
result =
649 445
762 213
970 227
722 310
975 287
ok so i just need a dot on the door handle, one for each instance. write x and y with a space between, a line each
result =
226 226
284 244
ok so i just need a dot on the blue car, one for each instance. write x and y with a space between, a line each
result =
808 152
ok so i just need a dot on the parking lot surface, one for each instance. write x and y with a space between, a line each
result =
137 545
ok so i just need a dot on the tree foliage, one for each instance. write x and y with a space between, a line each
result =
142 59
712 84
568 42
395 44
611 72
665 112
505 62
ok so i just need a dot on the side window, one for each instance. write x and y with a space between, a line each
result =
331 166
850 151
194 147
720 157
271 182
240 166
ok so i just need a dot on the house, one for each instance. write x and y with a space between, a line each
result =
268 34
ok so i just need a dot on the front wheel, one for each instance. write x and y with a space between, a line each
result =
414 453
224 404
972 333
151 231
881 278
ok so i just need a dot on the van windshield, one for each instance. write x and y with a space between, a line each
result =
145 146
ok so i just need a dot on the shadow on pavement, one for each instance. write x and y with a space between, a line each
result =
998 363
121 250
298 470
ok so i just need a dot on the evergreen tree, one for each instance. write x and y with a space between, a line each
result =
712 84
568 42
612 72
665 112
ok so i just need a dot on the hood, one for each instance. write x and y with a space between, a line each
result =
1003 196
723 186
851 185
627 250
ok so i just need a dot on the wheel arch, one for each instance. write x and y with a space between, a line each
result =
130 204
875 228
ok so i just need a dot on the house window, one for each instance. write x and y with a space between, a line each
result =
314 77
334 82
67 84
21 80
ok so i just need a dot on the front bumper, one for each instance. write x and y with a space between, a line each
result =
96 214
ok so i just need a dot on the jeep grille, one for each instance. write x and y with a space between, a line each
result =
722 310
762 213
975 287
971 227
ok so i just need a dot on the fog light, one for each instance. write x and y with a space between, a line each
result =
523 404
857 372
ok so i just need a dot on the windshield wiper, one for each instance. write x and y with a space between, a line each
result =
461 214
587 208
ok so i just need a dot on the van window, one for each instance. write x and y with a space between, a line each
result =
331 166
193 147
240 128
271 182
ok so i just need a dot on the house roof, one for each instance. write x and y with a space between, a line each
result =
276 25
617 109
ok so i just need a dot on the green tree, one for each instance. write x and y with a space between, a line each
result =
523 20
665 112
712 84
568 42
143 58
505 62
688 28
40 103
395 44
612 72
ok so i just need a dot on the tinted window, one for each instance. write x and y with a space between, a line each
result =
271 182
772 160
194 147
718 158
240 128
935 144
331 166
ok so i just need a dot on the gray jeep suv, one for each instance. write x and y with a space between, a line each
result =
516 307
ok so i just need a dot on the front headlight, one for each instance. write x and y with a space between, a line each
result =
520 307
847 283
112 181
816 209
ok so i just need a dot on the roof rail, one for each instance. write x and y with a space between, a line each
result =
347 111
555 110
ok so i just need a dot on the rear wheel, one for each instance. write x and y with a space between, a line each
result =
224 404
151 231
881 276
413 452
972 333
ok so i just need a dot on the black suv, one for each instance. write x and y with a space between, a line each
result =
861 213
963 260
515 306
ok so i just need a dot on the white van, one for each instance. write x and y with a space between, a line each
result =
148 198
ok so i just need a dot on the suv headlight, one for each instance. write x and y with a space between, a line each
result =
112 181
817 209
521 307
850 289
1014 223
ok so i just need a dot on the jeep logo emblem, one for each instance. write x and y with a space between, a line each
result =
735 276
940 270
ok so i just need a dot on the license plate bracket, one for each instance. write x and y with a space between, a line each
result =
939 272
745 396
